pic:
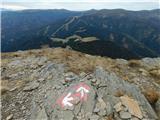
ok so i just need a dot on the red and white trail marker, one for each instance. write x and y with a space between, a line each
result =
66 100
83 91
77 91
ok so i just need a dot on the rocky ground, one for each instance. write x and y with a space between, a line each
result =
61 84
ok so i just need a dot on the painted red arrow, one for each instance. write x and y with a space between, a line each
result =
79 91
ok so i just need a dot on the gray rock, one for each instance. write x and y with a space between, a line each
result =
118 107
88 115
68 47
50 69
64 82
157 107
102 112
150 63
23 108
13 89
110 101
16 63
125 115
68 115
9 117
134 118
41 79
89 77
132 106
94 117
116 116
93 80
69 108
98 82
122 61
96 110
82 74
70 77
109 109
106 84
57 87
31 86
101 106
77 108
41 115
38 112
81 116
114 84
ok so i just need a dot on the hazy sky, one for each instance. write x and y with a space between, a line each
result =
81 4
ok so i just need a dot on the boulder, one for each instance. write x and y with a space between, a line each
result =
9 117
31 86
125 115
132 106
118 107
113 84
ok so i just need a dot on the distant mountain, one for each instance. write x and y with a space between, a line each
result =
135 31
20 27
121 33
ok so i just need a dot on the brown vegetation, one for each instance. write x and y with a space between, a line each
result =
119 93
7 85
134 63
109 117
151 95
155 73
76 61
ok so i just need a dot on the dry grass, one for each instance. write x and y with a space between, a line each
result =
7 85
76 61
119 93
151 95
109 117
3 89
126 78
134 63
155 73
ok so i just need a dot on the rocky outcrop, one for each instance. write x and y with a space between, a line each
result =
100 103
51 91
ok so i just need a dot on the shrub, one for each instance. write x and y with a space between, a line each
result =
152 96
134 63
119 93
155 73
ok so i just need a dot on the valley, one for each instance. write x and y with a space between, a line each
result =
136 32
